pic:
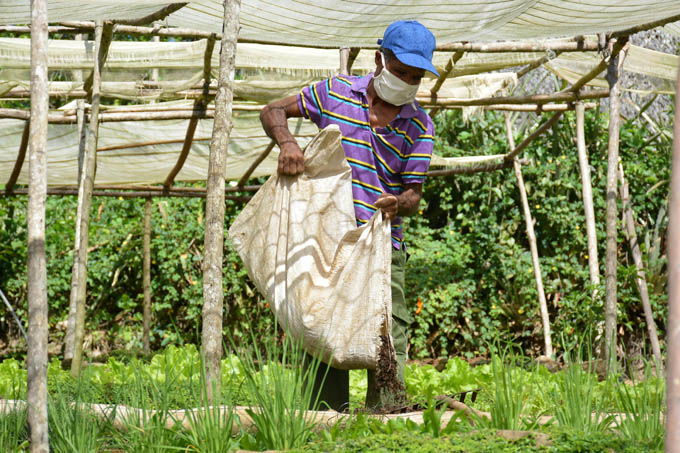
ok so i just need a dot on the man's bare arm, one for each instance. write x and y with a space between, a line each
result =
274 119
404 204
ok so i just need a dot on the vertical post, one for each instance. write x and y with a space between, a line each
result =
640 279
673 329
146 277
213 296
75 270
85 186
531 235
344 60
587 193
36 356
613 72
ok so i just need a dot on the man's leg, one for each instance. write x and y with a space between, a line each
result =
401 319
333 391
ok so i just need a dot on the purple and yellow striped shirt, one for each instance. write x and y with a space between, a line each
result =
382 159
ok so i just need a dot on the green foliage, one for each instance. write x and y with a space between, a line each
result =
456 377
470 266
469 270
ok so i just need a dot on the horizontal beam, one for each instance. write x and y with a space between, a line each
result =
538 108
474 168
130 194
151 188
426 100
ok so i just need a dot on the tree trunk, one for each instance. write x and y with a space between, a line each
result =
36 356
214 216
673 330
531 235
75 271
146 278
613 72
86 184
640 280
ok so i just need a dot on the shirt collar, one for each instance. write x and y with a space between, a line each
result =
360 85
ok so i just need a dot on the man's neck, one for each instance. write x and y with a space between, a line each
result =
380 113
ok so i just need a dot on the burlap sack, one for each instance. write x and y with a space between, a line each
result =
327 281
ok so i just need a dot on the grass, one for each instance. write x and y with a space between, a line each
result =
644 416
283 391
576 401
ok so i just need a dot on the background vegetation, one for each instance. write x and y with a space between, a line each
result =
469 274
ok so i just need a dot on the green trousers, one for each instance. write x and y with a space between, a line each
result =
334 393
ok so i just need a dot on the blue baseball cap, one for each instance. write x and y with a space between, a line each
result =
412 43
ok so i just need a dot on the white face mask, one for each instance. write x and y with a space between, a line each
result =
392 89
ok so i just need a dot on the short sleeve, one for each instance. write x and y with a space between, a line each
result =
312 100
415 168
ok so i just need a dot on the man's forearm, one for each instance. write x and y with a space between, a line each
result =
275 121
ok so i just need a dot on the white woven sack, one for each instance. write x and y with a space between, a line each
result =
327 281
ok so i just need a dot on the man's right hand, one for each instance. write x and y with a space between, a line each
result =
291 159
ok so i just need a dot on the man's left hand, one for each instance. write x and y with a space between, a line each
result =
389 204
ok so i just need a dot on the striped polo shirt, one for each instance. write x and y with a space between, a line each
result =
382 159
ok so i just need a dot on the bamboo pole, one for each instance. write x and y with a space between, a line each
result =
587 193
85 200
21 156
673 329
146 278
199 106
531 236
213 295
640 279
36 355
613 74
69 338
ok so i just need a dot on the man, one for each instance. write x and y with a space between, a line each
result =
388 141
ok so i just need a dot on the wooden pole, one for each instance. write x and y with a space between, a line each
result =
146 278
587 193
531 236
136 194
640 279
344 60
601 66
84 201
199 107
23 146
255 164
613 73
542 128
468 169
36 355
550 55
213 296
69 338
425 98
673 329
